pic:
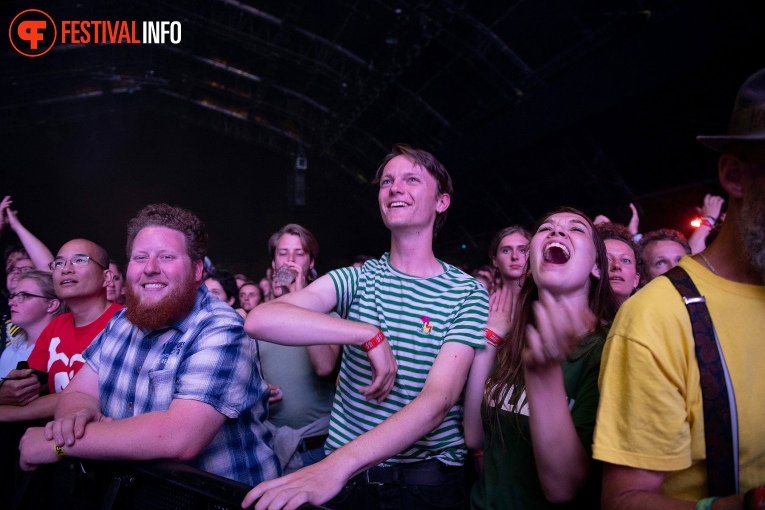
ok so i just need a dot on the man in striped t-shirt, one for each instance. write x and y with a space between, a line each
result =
394 438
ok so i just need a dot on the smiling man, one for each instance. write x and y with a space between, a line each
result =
175 371
395 440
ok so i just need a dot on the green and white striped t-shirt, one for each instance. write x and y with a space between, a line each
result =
417 316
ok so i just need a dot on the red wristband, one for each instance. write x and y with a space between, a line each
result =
493 338
374 341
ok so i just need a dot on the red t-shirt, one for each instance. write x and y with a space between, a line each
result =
59 348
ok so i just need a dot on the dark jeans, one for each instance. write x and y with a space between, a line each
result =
452 494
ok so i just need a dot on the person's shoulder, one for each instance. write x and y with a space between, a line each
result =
457 277
208 306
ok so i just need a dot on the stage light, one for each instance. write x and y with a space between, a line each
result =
696 223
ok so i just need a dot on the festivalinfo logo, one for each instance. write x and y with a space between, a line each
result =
33 32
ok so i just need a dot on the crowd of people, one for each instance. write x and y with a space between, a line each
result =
585 365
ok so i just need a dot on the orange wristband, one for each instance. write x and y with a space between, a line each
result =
493 338
374 341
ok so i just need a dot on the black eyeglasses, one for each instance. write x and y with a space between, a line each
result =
77 260
20 270
20 297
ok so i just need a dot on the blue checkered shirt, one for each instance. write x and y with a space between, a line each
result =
205 357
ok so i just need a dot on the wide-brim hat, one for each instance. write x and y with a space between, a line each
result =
747 123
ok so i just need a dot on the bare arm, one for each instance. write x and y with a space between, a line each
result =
180 433
38 252
563 465
301 318
500 319
710 211
40 408
627 488
323 358
321 481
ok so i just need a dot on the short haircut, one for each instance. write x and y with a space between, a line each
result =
662 234
101 255
665 234
507 231
618 232
176 218
427 161
307 239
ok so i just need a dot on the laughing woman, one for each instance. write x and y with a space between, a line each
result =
539 402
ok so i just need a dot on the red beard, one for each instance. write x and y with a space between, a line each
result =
176 305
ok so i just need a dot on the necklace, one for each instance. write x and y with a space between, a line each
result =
711 267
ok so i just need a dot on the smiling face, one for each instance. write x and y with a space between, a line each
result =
161 278
85 281
562 255
409 197
511 256
661 256
622 268
34 309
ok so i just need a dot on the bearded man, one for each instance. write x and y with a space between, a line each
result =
173 376
663 441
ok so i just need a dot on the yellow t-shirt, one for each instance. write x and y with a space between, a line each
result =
650 414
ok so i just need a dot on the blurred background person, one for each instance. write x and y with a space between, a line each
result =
622 259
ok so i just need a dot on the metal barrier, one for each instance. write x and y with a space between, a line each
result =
160 485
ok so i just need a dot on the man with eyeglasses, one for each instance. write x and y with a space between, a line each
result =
80 275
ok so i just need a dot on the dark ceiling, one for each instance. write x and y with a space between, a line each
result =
529 104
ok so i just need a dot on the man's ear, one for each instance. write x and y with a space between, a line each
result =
443 201
730 169
199 269
108 276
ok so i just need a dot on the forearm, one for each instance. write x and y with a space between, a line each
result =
38 409
143 437
71 402
562 462
474 390
287 324
394 435
697 240
40 255
626 488
323 358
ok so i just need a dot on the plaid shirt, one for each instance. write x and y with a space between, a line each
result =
205 357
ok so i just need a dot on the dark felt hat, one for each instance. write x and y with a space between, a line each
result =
747 123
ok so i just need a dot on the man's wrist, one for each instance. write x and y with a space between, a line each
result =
374 341
59 451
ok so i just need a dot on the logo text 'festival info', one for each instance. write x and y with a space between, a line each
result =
33 32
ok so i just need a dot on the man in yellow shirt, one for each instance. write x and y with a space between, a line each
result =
650 425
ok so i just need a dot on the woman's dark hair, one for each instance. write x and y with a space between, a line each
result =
508 373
